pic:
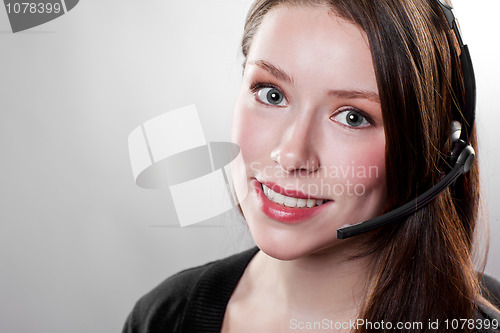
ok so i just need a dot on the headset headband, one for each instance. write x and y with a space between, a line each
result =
468 112
462 154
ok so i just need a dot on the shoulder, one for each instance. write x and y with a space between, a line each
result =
164 305
180 296
491 289
489 317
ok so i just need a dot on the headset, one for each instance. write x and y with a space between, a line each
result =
462 153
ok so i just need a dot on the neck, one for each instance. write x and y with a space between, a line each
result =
329 284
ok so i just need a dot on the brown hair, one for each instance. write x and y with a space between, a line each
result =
423 268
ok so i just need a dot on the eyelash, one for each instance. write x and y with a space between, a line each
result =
255 87
259 85
353 109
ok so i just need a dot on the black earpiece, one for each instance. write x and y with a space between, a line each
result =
462 155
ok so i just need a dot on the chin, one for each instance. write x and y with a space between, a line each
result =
279 252
282 255
290 245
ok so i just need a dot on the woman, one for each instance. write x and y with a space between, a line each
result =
344 113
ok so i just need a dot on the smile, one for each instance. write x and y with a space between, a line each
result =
296 207
291 201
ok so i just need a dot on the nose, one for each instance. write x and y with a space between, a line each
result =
296 151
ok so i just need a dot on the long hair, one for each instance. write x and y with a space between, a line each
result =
423 268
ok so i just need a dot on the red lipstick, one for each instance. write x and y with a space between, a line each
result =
289 193
283 213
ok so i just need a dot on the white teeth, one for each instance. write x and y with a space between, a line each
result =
278 198
266 190
301 203
290 201
270 194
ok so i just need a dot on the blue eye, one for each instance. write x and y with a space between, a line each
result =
271 96
351 118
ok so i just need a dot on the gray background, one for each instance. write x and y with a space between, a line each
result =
79 241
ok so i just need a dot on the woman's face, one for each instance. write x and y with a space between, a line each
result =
309 124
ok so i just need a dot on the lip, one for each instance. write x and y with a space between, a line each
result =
282 213
290 193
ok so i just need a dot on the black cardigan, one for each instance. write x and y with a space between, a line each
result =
195 299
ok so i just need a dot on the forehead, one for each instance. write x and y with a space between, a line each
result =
314 42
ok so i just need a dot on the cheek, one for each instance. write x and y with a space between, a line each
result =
360 164
243 128
249 131
371 166
371 176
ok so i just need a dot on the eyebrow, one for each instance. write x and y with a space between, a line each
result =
274 71
354 94
347 94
